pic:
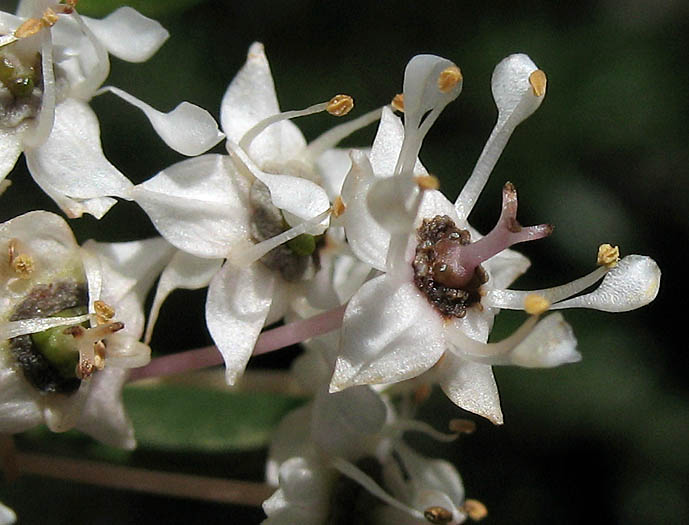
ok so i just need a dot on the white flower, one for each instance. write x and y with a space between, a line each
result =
433 309
7 515
321 444
54 63
244 208
70 323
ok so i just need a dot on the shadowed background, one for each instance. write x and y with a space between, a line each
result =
604 159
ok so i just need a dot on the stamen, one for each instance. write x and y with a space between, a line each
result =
338 207
29 28
340 105
337 103
449 78
459 261
330 138
250 253
475 509
535 304
422 393
413 425
427 182
608 255
437 515
89 344
518 87
398 102
514 299
352 472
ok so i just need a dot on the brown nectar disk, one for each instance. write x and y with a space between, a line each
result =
450 302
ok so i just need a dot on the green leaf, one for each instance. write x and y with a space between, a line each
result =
152 8
184 418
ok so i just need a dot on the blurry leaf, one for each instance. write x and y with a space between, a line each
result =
147 7
177 417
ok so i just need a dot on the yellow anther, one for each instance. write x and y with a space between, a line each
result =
538 82
29 28
535 304
104 312
99 355
475 509
49 18
462 426
437 515
23 265
449 78
338 207
398 103
427 182
340 105
608 255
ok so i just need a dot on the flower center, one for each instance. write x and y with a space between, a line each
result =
294 258
20 88
49 359
430 263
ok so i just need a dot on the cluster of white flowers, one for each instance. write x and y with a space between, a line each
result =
277 229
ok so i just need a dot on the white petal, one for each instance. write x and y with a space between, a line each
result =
184 271
388 144
290 439
390 333
62 412
103 415
342 421
505 267
188 129
125 351
470 386
128 34
236 309
300 198
551 343
10 149
333 166
140 260
71 161
512 90
199 205
368 239
7 515
251 98
19 409
633 283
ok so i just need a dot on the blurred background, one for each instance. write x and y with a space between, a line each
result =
604 159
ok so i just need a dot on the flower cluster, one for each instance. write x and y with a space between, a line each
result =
358 243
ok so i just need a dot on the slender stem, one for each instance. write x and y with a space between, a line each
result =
143 480
268 341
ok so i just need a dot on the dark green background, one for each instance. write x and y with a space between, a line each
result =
604 159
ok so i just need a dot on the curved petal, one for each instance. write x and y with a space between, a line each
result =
236 309
199 205
184 271
188 129
333 166
128 34
551 343
250 98
103 415
11 148
505 267
470 386
341 421
71 161
19 409
389 333
368 239
633 283
387 146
